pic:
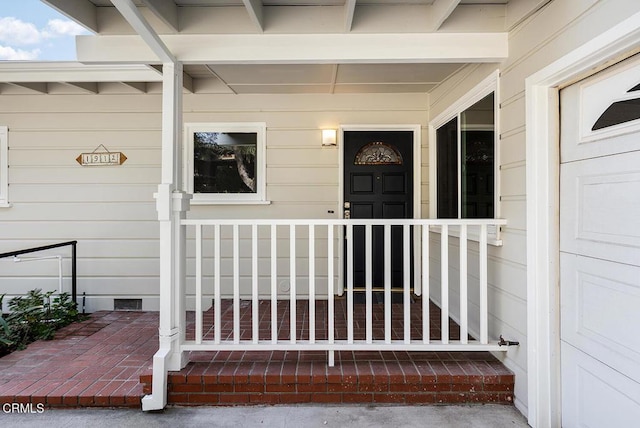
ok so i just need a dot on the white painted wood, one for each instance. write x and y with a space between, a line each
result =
300 48
484 296
255 319
440 11
312 284
444 284
387 284
596 395
274 284
217 320
369 281
198 284
330 290
51 71
236 284
406 280
426 289
135 18
256 12
599 253
292 283
81 11
349 13
464 318
166 11
350 283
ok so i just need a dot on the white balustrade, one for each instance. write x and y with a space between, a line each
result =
236 275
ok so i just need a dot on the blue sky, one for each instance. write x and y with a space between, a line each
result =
31 30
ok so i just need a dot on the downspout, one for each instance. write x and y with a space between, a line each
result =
172 203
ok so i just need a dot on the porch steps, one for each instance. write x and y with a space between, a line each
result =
254 378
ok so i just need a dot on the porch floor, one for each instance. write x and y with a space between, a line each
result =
106 361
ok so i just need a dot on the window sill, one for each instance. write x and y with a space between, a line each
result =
492 239
201 202
5 205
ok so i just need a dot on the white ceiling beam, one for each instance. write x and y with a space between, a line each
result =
75 72
187 82
439 11
349 13
256 12
89 87
301 48
83 12
224 82
138 86
166 10
518 11
133 16
39 87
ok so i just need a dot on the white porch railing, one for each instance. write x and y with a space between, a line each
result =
261 275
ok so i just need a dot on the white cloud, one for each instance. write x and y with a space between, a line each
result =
9 53
61 27
16 32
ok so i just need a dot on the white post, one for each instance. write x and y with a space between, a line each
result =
172 205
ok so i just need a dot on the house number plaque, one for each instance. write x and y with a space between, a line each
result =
101 158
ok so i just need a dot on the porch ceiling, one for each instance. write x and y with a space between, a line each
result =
279 46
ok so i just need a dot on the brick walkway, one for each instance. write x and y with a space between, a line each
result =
94 363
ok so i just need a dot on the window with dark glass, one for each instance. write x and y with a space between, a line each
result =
465 163
225 162
619 112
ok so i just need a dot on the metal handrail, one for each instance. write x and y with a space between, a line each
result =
73 245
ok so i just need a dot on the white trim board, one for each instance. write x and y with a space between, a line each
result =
542 141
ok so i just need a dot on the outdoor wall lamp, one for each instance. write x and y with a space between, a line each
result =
329 137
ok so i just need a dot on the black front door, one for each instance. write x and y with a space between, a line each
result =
378 183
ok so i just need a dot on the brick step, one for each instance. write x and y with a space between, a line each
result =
410 379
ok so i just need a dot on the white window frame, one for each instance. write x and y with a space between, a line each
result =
4 167
260 128
485 87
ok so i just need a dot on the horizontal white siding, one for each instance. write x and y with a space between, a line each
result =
556 29
111 210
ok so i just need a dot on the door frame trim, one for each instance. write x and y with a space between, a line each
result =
542 190
417 190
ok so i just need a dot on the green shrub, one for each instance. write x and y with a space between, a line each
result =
34 317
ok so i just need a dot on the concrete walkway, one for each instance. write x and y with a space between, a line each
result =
470 416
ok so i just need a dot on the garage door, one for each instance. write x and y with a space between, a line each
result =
600 248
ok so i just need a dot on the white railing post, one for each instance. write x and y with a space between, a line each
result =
444 284
484 310
464 329
292 283
426 324
217 296
368 268
312 284
254 284
331 294
406 287
350 283
198 283
236 284
387 283
274 283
